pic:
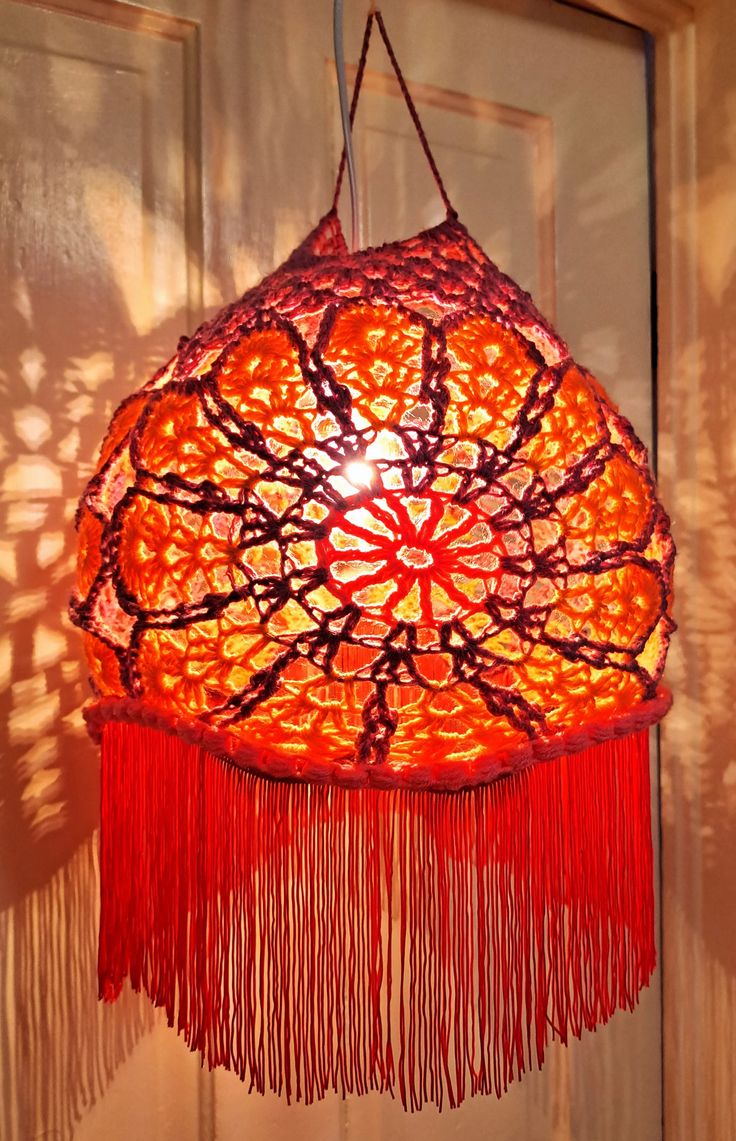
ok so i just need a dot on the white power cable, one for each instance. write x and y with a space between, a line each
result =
347 131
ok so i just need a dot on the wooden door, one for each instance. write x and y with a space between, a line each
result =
157 160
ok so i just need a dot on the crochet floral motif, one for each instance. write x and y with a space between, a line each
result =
374 513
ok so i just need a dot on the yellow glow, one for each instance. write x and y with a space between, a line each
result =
360 474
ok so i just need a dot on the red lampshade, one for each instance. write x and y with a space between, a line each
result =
372 531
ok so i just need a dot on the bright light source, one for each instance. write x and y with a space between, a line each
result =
360 474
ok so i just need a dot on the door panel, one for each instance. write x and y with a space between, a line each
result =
96 286
158 160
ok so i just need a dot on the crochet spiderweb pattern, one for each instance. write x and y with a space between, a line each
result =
373 517
373 530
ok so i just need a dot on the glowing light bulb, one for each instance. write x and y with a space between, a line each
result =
360 474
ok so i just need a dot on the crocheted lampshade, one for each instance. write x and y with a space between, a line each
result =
372 531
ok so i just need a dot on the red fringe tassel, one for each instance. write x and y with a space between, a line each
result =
315 938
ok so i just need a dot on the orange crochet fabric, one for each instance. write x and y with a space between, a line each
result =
374 531
373 514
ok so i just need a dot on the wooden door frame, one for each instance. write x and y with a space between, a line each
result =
673 25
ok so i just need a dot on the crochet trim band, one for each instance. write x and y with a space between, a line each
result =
442 776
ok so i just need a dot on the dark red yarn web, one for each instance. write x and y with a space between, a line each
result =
340 931
434 283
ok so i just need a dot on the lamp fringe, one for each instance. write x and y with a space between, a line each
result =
315 938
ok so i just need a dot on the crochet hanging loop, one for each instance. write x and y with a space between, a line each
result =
348 118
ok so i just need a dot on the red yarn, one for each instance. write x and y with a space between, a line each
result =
316 938
372 515
362 555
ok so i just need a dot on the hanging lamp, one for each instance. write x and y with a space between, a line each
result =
375 593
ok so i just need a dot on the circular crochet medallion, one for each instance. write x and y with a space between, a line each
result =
372 524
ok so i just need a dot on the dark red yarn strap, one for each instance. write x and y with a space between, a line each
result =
451 212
